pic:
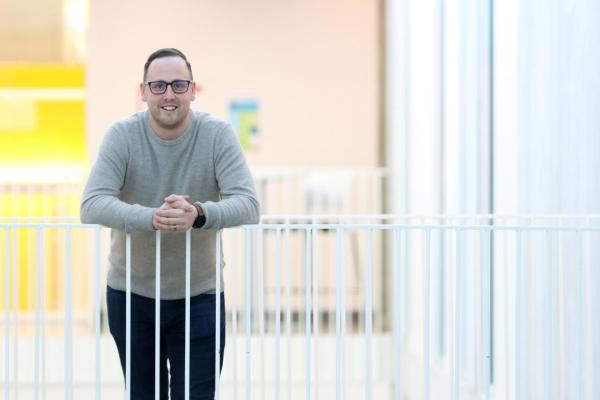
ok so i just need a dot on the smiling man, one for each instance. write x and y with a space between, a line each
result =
169 169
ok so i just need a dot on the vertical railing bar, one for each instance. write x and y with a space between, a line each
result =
338 311
362 187
157 317
299 280
248 307
218 314
407 290
588 316
397 269
452 350
344 317
36 358
437 300
234 311
478 304
97 312
42 310
128 316
288 314
316 312
561 318
456 325
308 314
580 329
261 310
7 314
188 287
15 263
527 301
69 322
91 296
278 314
486 316
503 241
331 313
369 316
377 271
550 316
426 311
518 294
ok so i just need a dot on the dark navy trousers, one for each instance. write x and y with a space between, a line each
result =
172 344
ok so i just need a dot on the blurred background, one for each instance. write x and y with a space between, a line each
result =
354 106
432 106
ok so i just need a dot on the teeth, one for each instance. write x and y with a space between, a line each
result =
168 108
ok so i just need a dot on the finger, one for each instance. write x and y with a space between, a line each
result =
171 228
164 224
161 226
180 205
188 207
165 206
170 213
177 197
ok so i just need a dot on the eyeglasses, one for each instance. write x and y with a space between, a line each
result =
178 85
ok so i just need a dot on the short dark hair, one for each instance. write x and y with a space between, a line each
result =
167 52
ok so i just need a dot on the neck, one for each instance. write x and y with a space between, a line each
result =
170 133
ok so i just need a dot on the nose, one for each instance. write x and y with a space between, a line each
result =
169 93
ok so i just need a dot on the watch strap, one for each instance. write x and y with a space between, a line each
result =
200 219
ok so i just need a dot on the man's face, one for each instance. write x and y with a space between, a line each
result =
170 110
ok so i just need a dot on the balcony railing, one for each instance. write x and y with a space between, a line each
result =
322 307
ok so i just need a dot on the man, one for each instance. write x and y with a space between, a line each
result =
168 169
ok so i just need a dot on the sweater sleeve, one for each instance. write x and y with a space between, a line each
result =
100 203
239 203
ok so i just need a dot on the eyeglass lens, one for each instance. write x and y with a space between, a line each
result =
178 86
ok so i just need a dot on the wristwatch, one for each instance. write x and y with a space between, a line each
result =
200 219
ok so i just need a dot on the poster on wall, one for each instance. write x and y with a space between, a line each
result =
243 116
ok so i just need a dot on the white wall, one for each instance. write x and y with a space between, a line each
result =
546 136
558 97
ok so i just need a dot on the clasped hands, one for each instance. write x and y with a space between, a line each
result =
175 215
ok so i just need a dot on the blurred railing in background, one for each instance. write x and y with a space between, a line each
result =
321 190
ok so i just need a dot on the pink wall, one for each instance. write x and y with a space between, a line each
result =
312 65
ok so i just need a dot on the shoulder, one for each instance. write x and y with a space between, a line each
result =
129 125
126 130
209 124
217 131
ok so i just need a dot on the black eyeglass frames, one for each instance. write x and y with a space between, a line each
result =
178 85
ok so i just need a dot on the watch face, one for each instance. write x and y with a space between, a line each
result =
199 222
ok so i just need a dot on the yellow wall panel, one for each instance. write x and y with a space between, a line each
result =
41 75
42 129
58 136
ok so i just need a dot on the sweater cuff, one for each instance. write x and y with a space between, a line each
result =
211 214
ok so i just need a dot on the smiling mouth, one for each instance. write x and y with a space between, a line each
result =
169 108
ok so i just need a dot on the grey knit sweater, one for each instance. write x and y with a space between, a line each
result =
136 170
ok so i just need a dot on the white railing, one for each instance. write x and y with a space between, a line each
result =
321 190
344 307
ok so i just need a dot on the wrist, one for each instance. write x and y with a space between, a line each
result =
200 219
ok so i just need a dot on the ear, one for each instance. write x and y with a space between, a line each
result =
143 94
193 90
